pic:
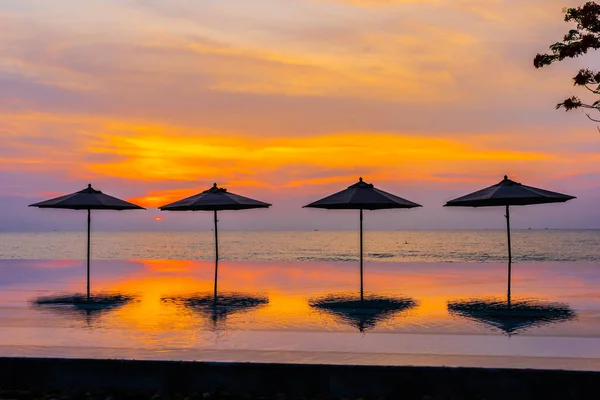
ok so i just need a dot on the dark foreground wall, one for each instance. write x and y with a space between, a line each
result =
296 380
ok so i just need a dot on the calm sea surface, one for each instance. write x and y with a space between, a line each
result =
404 246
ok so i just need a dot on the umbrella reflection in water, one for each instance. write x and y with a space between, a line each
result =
217 311
363 313
511 316
79 307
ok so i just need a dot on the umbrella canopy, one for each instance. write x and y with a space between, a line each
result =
88 199
362 196
215 199
508 193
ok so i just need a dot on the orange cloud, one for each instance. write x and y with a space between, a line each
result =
419 60
155 156
169 162
189 94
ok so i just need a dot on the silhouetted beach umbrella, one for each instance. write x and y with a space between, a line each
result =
362 196
88 199
511 316
508 193
215 199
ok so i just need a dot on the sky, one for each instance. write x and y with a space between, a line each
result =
287 101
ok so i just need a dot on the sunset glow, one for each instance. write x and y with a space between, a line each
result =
155 101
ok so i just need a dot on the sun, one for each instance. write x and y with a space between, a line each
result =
158 218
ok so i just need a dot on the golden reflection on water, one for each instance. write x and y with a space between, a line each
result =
149 313
170 309
289 286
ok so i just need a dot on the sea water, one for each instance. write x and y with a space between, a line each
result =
403 246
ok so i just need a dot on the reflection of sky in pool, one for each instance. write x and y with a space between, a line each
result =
273 319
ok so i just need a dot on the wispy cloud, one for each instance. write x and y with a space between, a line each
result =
154 97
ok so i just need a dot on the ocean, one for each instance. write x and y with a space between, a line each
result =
456 246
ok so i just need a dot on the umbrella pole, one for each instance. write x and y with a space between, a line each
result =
216 255
89 221
509 250
362 298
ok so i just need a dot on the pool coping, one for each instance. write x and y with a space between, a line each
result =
268 379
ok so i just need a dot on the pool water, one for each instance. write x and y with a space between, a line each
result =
414 313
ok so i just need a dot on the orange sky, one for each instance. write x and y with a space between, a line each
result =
288 101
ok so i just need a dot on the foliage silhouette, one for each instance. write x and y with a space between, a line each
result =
577 42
